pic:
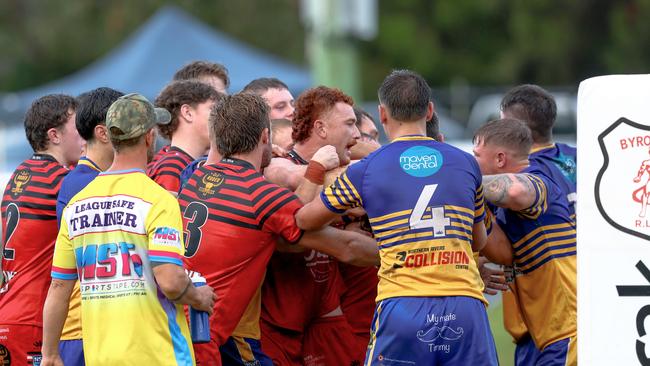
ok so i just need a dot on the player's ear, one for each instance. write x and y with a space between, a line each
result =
266 137
383 114
320 128
186 112
54 136
100 133
501 159
430 109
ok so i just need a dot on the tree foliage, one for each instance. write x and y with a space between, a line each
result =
490 42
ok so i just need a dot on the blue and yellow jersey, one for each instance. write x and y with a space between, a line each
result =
559 162
113 232
84 173
544 243
423 198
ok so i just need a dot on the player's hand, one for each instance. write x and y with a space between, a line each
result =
54 360
278 152
206 298
327 157
494 279
637 179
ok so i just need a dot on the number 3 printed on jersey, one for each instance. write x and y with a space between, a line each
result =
197 214
437 222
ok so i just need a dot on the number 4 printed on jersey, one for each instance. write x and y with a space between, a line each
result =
438 221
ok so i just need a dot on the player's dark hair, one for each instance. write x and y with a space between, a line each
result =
533 105
261 85
359 114
506 132
311 105
92 108
237 123
406 95
178 93
197 69
50 111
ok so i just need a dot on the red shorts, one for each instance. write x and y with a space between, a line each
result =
331 342
207 354
20 344
283 346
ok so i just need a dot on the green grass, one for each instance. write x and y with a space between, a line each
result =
503 340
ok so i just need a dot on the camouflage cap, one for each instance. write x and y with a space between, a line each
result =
132 115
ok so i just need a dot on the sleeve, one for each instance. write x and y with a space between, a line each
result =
540 205
345 193
479 205
165 230
280 217
489 216
64 264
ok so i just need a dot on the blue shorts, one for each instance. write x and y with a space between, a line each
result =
72 352
431 331
526 353
243 352
558 353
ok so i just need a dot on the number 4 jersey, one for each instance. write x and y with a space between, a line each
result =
423 198
29 230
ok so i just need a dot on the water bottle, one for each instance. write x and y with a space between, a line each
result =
199 320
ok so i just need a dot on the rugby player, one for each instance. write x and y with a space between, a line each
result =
233 218
29 224
425 204
121 235
535 216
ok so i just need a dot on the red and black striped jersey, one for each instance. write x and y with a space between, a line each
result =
232 218
167 169
163 150
300 287
29 232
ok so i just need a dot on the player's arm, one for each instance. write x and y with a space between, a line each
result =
285 173
479 236
324 161
498 248
362 149
513 191
177 287
55 311
314 215
346 246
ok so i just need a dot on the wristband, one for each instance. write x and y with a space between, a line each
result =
189 283
315 173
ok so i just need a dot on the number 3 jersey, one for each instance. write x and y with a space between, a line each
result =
423 198
112 234
29 230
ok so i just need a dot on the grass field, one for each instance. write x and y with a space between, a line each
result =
505 347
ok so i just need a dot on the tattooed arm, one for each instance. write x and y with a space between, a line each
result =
513 191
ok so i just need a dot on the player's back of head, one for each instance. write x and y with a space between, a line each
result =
237 123
508 133
406 95
92 109
533 105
